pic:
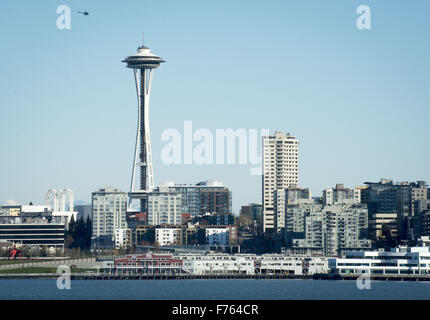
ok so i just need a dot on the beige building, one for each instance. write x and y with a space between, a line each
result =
280 171
109 207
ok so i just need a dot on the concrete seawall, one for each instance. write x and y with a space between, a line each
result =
106 276
87 263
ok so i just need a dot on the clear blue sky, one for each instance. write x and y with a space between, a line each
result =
358 100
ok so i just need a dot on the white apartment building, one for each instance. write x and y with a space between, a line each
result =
198 199
280 171
167 236
164 207
109 207
122 238
341 195
397 261
326 230
34 209
287 197
217 236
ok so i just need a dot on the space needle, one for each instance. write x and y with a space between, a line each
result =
143 64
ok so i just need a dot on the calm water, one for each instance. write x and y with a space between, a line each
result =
211 289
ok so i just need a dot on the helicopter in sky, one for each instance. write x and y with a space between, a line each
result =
86 13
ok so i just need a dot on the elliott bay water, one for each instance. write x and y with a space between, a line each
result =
46 289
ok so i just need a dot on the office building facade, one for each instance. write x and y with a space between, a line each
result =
396 198
33 234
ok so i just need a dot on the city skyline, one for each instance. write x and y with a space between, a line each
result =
352 97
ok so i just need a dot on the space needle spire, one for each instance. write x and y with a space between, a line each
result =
143 64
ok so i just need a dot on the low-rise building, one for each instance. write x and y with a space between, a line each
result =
193 236
286 264
143 235
168 236
251 264
397 261
218 264
148 263
12 210
212 264
217 236
122 239
33 234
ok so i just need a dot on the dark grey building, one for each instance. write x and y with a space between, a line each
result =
84 211
388 197
33 234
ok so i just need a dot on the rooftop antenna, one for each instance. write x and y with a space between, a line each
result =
143 39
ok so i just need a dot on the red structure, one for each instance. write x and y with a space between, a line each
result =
149 263
14 253
142 217
186 217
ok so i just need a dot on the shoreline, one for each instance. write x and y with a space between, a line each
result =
397 278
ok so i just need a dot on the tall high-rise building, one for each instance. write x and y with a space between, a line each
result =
109 206
143 64
204 197
280 171
164 207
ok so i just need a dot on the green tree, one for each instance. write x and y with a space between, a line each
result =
79 234
88 232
